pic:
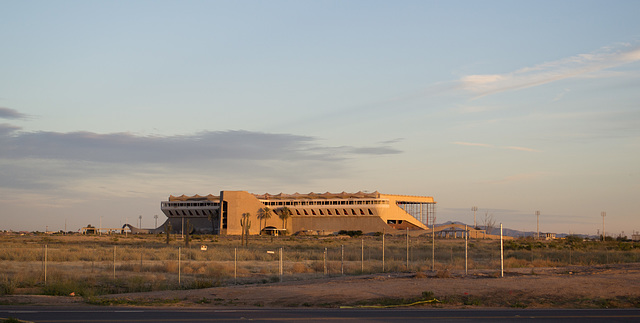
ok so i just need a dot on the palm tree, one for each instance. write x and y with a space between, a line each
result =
264 214
285 213
245 223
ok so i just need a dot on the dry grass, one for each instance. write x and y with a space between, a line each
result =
85 264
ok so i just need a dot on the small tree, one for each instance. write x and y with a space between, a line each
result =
187 236
285 213
167 230
245 223
211 219
265 214
246 233
489 222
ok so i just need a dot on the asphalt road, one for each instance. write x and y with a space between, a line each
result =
170 314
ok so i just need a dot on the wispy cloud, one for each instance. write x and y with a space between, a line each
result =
521 149
44 160
6 113
575 66
131 148
468 109
475 144
517 178
472 144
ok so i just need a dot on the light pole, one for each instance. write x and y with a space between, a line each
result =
156 217
140 217
603 214
474 209
538 224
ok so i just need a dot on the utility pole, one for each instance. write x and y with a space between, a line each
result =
603 214
140 217
538 224
474 209
156 217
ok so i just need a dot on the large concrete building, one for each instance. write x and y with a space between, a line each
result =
324 213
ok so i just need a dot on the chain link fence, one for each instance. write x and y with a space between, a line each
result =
104 265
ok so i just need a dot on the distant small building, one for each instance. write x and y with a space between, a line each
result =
549 236
635 236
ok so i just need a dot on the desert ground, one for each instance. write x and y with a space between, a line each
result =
600 286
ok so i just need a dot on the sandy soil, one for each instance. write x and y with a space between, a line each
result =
578 286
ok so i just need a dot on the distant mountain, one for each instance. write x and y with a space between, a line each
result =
516 233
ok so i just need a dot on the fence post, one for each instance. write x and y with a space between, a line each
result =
114 262
45 264
433 246
362 256
342 260
382 250
281 269
179 264
235 265
324 260
466 250
407 249
501 253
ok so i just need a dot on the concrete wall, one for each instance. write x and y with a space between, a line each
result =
331 224
237 203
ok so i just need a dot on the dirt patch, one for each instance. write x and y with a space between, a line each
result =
568 287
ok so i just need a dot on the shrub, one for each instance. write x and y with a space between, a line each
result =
443 274
351 233
299 268
7 286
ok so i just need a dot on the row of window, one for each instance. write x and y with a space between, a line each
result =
196 212
332 212
323 202
190 212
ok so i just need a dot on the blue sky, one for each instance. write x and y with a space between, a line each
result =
108 107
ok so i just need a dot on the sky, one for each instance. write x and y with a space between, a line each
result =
109 107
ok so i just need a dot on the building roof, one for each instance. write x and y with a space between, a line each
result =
312 195
298 196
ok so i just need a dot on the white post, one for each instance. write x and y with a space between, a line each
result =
281 264
466 250
45 264
179 258
324 260
501 253
407 249
235 265
433 246
342 260
362 255
382 250
114 262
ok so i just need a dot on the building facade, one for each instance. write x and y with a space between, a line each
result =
313 213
